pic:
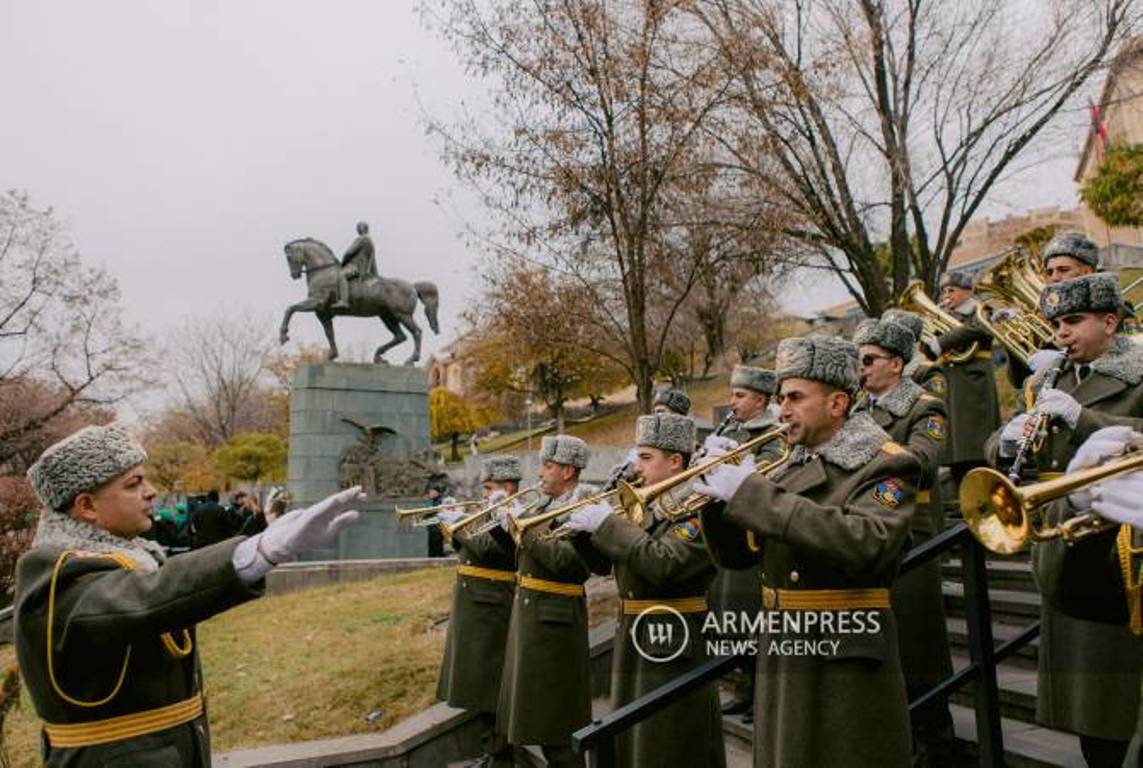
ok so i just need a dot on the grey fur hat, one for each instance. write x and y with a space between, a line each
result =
758 379
910 320
564 449
828 359
957 278
83 461
1075 245
666 431
890 335
1098 292
675 400
500 469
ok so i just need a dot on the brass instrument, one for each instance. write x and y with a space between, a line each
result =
518 526
1133 295
449 530
426 517
489 525
635 501
1012 316
936 320
1005 517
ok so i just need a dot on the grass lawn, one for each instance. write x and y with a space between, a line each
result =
308 665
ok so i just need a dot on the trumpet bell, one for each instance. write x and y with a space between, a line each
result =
994 511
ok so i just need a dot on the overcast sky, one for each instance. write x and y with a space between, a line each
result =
185 142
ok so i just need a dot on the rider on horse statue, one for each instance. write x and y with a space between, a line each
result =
358 263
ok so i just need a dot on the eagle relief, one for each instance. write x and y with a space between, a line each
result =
383 474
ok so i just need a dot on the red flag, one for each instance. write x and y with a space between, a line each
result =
1099 129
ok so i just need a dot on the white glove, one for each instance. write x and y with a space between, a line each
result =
589 518
1045 358
1060 405
584 490
1118 499
450 515
496 497
717 445
1101 446
932 346
295 532
1011 434
723 481
512 510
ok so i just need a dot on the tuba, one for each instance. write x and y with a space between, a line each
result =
1006 518
1012 314
936 320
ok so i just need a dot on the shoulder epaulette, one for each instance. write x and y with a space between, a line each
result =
892 448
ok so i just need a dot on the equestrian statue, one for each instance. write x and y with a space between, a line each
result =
352 288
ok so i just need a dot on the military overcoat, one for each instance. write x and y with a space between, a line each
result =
973 405
833 519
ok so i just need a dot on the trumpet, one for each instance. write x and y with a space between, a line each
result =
1006 518
635 501
425 517
936 320
485 511
518 526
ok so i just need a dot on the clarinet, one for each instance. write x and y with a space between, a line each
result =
1036 429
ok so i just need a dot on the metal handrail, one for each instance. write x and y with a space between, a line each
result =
598 740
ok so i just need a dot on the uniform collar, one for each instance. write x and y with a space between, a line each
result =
1122 361
901 398
857 442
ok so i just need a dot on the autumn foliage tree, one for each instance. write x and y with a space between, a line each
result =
253 457
450 416
1115 191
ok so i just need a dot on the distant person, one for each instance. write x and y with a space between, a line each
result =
211 522
436 538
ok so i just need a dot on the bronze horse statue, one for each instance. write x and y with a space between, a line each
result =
390 299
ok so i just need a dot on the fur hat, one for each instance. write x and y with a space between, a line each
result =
676 401
83 461
1098 292
890 335
757 379
666 431
500 469
564 449
1075 245
957 278
828 359
910 320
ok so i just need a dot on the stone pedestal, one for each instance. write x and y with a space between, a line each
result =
333 408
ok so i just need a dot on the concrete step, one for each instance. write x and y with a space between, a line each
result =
1001 633
1009 606
1002 574
1025 745
1016 683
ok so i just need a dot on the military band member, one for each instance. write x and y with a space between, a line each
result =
481 607
974 408
832 523
671 401
738 591
1098 578
1067 255
545 693
661 562
105 623
930 374
917 421
1088 672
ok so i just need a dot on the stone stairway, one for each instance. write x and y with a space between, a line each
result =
1015 605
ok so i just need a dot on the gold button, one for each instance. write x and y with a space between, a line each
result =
1055 464
1055 430
769 598
794 576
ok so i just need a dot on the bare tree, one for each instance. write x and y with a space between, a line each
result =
223 375
893 120
598 108
63 344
